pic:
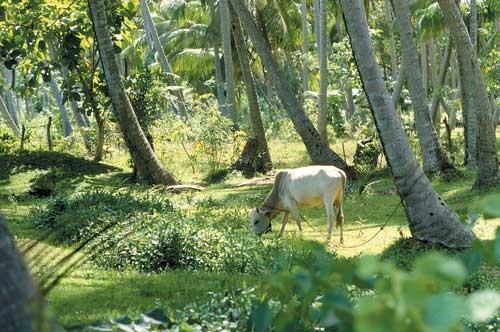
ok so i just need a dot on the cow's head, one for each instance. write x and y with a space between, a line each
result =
260 221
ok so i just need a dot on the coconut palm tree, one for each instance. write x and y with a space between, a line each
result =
261 160
392 42
218 69
429 218
323 70
473 24
225 23
67 127
318 150
305 46
148 166
475 86
8 117
8 95
432 153
17 290
156 45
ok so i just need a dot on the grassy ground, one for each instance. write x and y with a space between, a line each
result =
89 293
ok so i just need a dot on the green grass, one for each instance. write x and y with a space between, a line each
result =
89 293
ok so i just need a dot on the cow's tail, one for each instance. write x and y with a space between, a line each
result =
340 201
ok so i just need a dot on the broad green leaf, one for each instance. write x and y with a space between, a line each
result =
443 311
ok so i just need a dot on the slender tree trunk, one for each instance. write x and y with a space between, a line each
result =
67 127
218 68
445 63
392 42
73 103
49 134
261 26
8 117
473 24
305 46
150 170
398 87
469 123
17 291
323 71
29 107
225 28
429 218
262 161
155 45
424 66
434 79
318 150
351 106
9 96
486 148
317 24
432 153
495 111
99 146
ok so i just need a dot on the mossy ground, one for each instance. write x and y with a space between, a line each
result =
89 293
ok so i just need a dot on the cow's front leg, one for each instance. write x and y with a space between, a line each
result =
296 215
283 223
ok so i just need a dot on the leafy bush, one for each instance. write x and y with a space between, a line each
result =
313 297
144 232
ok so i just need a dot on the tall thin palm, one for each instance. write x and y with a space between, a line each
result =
432 153
148 166
475 86
318 150
429 217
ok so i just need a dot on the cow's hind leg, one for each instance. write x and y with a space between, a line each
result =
340 215
328 201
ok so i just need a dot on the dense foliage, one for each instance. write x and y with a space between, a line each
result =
146 232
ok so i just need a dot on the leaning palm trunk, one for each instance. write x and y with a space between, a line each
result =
318 150
323 71
225 23
424 65
445 63
67 127
486 144
17 291
398 87
429 218
261 162
473 24
155 45
9 96
218 68
80 122
305 46
149 169
8 117
433 156
392 42
434 79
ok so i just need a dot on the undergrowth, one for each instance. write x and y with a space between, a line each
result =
146 232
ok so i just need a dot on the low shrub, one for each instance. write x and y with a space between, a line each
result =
145 232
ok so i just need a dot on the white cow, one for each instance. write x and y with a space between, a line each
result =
311 186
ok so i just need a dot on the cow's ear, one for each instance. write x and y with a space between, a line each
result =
268 213
257 210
